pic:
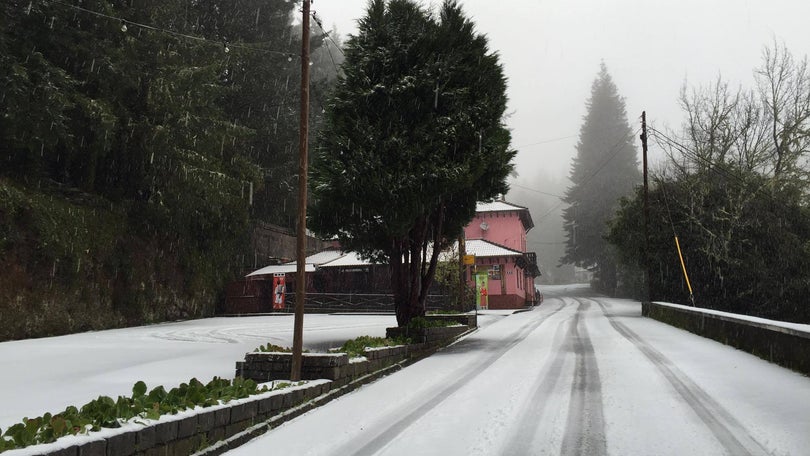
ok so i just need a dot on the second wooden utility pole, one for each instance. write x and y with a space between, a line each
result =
301 235
646 209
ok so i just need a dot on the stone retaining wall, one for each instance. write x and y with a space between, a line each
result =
778 344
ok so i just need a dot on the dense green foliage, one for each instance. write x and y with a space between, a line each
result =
756 264
139 144
604 170
413 138
105 412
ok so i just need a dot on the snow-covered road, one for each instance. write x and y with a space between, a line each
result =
578 375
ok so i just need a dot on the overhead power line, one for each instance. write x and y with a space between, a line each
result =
536 191
125 23
720 168
546 141
326 34
613 152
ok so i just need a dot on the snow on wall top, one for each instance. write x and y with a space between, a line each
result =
781 326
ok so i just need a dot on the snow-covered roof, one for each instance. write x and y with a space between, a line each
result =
349 259
324 256
337 259
503 206
312 262
285 268
498 206
482 248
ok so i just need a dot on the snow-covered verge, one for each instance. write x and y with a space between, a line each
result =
50 374
785 344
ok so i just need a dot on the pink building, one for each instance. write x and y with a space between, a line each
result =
497 239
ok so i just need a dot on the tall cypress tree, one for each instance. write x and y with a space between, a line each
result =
412 139
604 170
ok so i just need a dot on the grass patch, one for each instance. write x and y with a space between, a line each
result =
356 347
273 348
423 323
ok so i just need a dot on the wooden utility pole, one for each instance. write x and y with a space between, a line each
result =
301 235
646 208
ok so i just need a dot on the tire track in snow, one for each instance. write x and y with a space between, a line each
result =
387 435
524 435
585 427
732 434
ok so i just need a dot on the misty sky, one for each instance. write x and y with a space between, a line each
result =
551 50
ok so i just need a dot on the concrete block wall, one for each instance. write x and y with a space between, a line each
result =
778 344
267 366
428 335
337 367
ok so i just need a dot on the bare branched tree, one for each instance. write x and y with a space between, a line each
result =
784 88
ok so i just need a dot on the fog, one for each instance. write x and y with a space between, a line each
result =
551 51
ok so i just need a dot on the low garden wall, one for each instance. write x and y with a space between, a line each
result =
263 367
431 336
779 343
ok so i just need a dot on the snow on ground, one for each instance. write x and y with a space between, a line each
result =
46 375
580 374
49 374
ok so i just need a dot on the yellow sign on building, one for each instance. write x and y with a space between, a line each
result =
468 260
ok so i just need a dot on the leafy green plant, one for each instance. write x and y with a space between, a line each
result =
356 347
104 412
270 347
422 323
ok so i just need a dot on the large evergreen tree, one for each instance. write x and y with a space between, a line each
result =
604 170
413 139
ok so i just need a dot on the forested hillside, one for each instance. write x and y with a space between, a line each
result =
139 144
